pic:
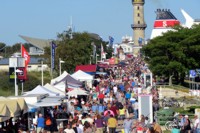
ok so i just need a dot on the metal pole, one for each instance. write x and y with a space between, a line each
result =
42 73
16 87
60 66
96 58
51 62
22 88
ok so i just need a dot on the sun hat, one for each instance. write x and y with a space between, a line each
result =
186 116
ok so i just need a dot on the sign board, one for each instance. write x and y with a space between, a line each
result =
192 73
12 62
197 112
11 74
16 62
22 76
145 106
148 79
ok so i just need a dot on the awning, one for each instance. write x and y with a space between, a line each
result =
4 113
76 92
32 108
13 106
49 101
86 68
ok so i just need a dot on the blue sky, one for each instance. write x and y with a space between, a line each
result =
46 18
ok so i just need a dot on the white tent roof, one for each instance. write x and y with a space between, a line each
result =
76 92
41 90
54 89
80 75
59 78
49 101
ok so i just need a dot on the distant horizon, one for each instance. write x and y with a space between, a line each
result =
45 19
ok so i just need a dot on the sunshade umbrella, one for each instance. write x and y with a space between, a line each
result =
111 112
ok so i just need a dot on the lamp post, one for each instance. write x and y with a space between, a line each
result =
16 86
96 58
42 73
60 62
91 59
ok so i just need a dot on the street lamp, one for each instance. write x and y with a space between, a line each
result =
96 58
60 61
16 86
91 59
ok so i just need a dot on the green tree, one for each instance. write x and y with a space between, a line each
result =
75 51
174 53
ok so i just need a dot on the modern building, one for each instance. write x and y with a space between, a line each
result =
138 25
38 45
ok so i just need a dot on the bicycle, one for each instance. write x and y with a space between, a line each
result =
169 125
170 102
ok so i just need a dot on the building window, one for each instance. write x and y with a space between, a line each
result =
138 8
138 15
138 22
128 49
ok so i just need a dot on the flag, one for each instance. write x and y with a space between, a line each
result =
140 40
53 52
94 50
111 40
25 55
103 55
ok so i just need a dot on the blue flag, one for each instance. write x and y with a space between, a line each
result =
53 52
111 40
140 41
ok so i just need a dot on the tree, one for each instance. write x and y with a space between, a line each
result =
174 53
75 51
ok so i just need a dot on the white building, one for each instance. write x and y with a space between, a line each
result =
126 44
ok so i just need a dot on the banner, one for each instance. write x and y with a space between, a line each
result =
103 54
25 55
111 40
11 74
53 53
22 76
94 50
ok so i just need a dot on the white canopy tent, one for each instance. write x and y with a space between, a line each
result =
82 76
76 92
54 89
49 101
41 90
65 81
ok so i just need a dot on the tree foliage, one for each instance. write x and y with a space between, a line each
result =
174 53
77 50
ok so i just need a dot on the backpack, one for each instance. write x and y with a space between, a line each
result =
120 106
48 121
130 109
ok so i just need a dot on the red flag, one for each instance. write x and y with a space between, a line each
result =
26 56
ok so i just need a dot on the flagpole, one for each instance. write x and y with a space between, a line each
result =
51 62
22 81
101 51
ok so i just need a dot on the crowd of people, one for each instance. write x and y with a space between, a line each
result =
112 104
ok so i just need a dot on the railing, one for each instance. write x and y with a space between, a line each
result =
138 25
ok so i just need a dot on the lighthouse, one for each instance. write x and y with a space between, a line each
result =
138 25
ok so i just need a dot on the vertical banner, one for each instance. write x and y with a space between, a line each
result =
111 40
22 76
11 74
25 55
53 53
94 50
